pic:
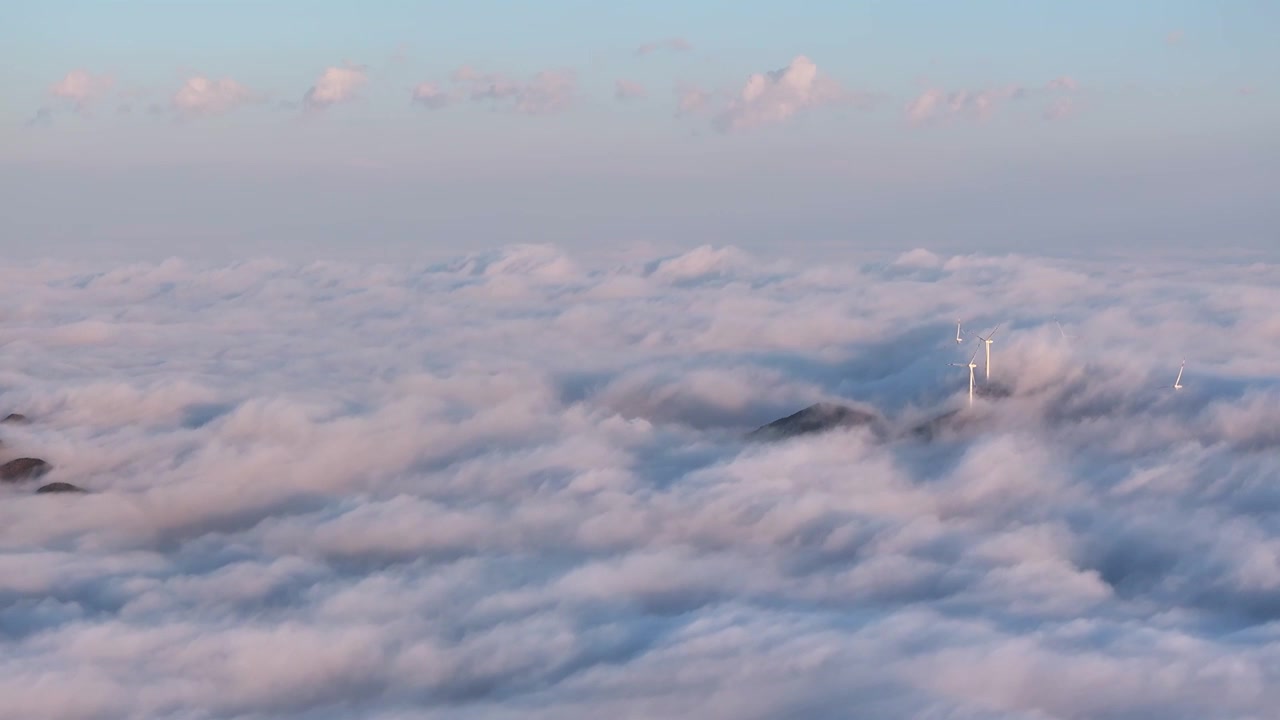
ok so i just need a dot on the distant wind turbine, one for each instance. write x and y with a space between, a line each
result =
986 341
972 366
958 338
1064 334
1177 384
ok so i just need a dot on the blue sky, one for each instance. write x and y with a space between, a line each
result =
1029 126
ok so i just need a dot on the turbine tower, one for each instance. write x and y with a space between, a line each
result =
987 342
972 366
958 339
1177 384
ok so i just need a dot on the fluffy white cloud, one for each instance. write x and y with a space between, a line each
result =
513 485
776 96
335 85
628 90
201 96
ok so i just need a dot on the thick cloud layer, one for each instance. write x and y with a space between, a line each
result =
514 486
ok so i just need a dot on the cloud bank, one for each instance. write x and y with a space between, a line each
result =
513 485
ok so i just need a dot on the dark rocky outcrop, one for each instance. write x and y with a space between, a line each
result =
23 469
817 418
15 419
60 487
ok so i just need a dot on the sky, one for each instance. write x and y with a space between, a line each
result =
516 484
400 131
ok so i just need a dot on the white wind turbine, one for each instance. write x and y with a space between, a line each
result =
1064 334
958 338
972 366
986 341
1177 384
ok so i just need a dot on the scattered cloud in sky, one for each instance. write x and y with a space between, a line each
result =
692 100
384 491
776 96
1174 37
335 85
80 87
1059 108
674 44
937 104
431 95
200 95
546 92
628 90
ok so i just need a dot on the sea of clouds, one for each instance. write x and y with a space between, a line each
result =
514 485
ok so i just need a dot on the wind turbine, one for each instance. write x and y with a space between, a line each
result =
972 366
1177 384
958 339
1065 336
987 342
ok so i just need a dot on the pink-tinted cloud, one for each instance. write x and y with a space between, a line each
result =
776 96
692 100
628 90
676 44
335 85
431 96
547 91
1175 37
1059 108
81 87
936 104
201 96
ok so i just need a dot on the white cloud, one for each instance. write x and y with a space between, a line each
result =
776 96
516 485
201 96
628 90
335 85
